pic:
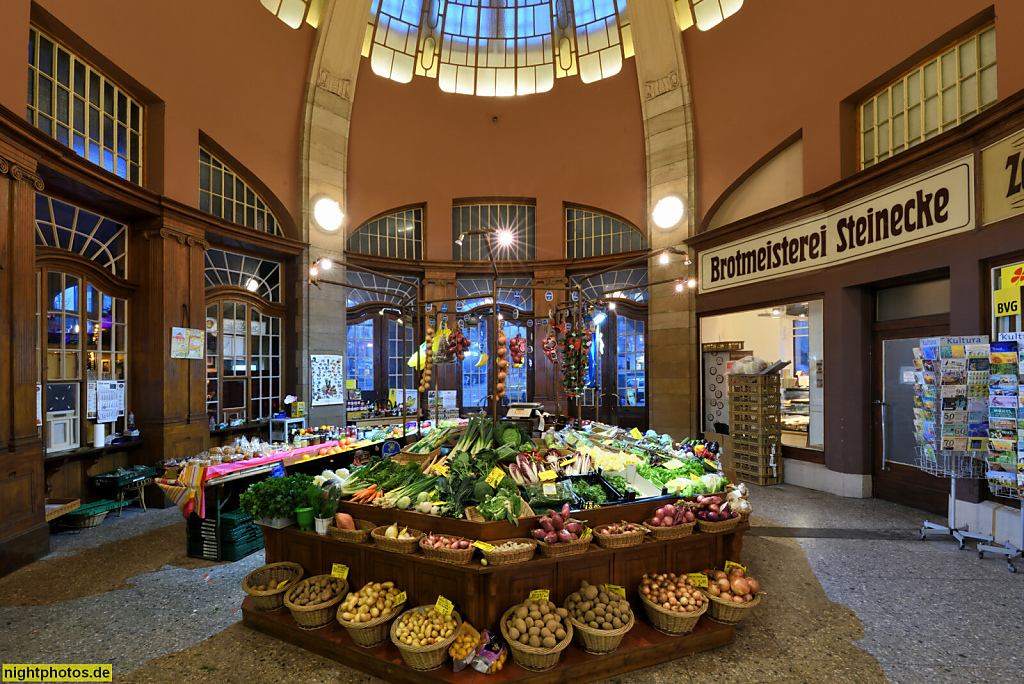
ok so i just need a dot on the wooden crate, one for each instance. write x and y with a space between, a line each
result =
58 507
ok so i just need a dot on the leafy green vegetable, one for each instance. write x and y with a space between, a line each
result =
457 493
502 505
620 483
510 435
276 497
589 492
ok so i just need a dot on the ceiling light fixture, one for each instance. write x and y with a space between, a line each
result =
325 263
327 214
252 285
668 211
462 236
686 260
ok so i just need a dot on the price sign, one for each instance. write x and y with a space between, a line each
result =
699 579
540 595
568 461
443 606
399 599
495 477
636 434
549 489
711 463
483 546
586 533
339 570
674 464
614 588
729 565
548 475
694 477
440 469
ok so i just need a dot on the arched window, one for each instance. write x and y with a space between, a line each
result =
256 275
628 283
223 193
398 235
590 234
64 226
516 221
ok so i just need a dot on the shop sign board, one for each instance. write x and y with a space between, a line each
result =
1006 301
1002 166
929 206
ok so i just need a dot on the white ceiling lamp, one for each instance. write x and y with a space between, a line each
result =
326 263
668 212
327 214
252 285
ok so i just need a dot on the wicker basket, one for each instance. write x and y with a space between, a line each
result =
84 522
619 541
533 658
320 615
564 548
599 641
425 657
720 526
357 536
673 532
372 633
744 517
271 599
729 612
404 456
669 621
396 545
513 556
455 556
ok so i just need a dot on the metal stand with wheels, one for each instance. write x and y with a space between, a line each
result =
959 533
1010 550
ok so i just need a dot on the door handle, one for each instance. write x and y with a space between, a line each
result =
885 446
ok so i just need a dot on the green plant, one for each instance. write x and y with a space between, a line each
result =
276 497
324 502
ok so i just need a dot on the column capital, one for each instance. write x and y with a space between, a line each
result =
20 173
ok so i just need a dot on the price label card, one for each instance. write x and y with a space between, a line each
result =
483 546
699 579
495 477
616 589
548 475
636 434
711 463
399 599
568 461
674 464
339 570
549 490
586 533
443 606
694 477
729 565
540 595
440 469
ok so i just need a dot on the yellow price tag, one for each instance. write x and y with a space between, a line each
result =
443 606
399 599
636 434
495 477
699 579
694 477
729 565
483 546
616 589
440 469
568 461
674 464
339 570
549 489
540 595
437 503
586 533
711 463
548 475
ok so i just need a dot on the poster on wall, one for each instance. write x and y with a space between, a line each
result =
327 379
107 401
187 343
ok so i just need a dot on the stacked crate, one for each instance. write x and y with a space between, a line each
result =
232 538
755 427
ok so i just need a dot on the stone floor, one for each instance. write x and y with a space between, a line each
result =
851 595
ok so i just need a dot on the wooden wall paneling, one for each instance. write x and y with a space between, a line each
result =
352 555
595 568
463 589
693 557
383 566
304 550
631 565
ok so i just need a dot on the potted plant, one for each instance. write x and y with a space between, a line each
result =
325 505
273 502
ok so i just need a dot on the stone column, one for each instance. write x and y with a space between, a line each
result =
24 536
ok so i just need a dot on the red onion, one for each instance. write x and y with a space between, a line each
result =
546 523
565 536
574 527
557 522
539 534
551 538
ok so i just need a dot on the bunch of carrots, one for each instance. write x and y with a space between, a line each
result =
367 495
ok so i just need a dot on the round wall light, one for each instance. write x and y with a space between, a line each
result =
668 212
328 214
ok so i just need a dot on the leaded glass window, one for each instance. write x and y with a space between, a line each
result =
73 229
591 234
397 236
259 276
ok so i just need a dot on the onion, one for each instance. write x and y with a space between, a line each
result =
737 571
713 589
551 538
565 536
565 512
668 511
737 599
656 521
740 586
547 524
539 534
557 522
755 586
719 574
575 528
723 584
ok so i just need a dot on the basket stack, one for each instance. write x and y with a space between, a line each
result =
320 614
396 545
508 557
755 427
425 657
359 535
532 658
270 576
729 612
671 622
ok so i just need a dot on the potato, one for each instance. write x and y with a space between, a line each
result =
544 610
562 612
589 616
560 634
544 633
548 642
616 623
521 625
535 614
534 631
535 641
607 626
522 612
513 634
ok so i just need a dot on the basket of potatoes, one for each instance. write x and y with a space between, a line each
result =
365 614
537 632
600 618
268 584
314 601
423 636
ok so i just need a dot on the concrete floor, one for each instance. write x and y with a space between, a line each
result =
851 595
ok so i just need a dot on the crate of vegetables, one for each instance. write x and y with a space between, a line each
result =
732 594
559 535
593 489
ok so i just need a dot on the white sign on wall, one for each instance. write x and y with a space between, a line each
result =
930 206
107 401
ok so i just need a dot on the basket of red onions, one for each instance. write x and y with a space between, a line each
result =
671 521
559 535
714 515
447 549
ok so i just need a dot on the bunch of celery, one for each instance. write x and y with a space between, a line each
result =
479 435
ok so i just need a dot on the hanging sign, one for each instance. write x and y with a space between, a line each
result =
187 343
429 307
444 308
930 206
1002 166
1006 302
390 448
575 296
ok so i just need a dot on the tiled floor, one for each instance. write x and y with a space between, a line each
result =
852 595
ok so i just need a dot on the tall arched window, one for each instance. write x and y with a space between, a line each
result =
591 233
516 221
398 235
223 193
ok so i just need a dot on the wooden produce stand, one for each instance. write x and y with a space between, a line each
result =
482 593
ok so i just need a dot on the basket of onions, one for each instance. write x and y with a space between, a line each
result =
671 521
673 603
455 550
560 535
731 596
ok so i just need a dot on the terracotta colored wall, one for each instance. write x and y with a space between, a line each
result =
776 67
229 68
578 143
